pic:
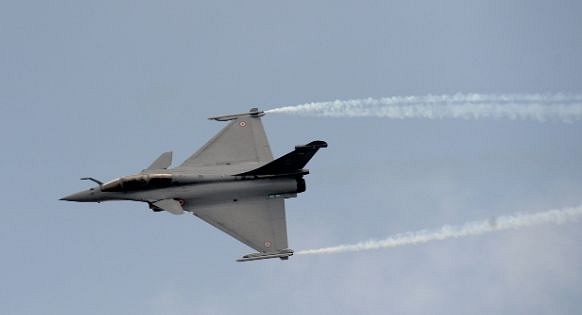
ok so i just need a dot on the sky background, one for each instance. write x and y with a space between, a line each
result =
101 88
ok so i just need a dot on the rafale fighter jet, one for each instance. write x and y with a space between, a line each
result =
232 182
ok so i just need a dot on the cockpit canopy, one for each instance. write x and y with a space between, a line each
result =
138 182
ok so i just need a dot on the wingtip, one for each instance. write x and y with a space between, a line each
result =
283 254
253 112
256 112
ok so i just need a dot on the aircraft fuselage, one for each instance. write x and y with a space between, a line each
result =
191 188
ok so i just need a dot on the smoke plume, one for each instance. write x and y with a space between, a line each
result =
537 107
502 223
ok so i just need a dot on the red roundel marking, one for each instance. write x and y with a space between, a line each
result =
180 201
268 244
243 124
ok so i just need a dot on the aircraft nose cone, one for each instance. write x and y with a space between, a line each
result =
79 197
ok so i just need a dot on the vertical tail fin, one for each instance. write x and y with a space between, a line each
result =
290 163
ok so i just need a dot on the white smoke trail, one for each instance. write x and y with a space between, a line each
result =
508 222
539 107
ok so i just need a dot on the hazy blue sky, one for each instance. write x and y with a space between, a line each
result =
101 88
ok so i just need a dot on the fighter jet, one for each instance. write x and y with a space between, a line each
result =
232 182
